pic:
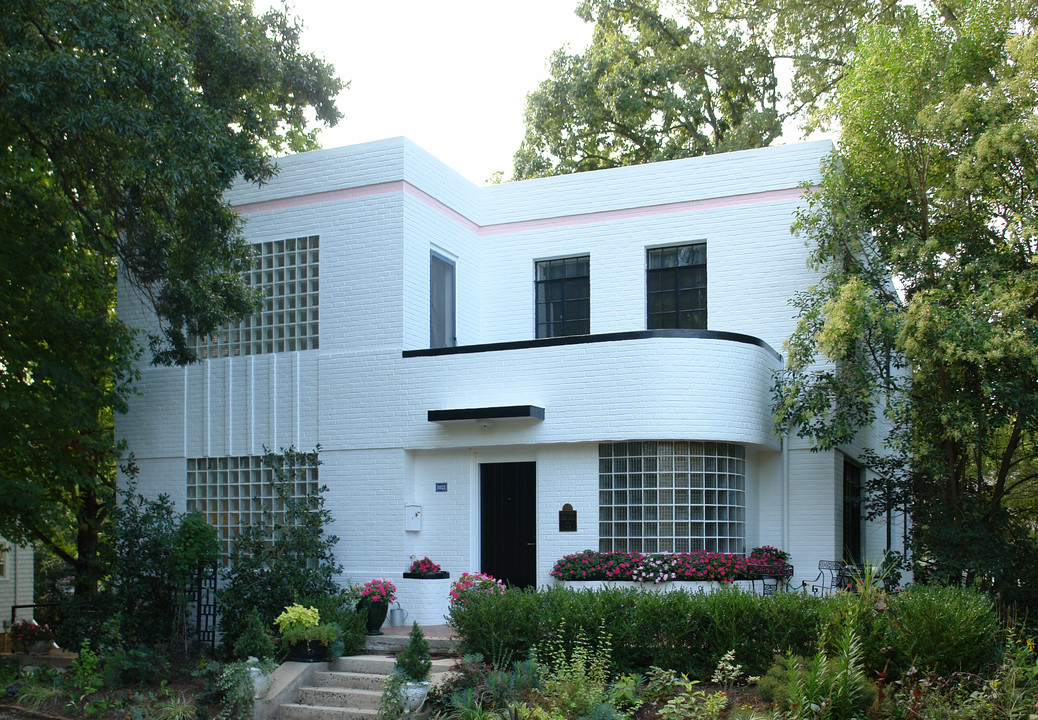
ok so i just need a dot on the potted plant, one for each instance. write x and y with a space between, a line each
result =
375 598
28 636
413 666
425 569
302 631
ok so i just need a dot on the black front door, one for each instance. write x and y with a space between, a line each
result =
508 519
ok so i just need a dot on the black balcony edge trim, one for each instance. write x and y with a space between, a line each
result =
601 337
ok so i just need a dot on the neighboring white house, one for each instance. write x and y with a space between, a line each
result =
16 582
502 375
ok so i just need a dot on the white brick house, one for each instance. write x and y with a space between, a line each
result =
474 360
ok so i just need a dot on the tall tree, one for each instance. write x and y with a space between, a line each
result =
122 125
925 229
670 79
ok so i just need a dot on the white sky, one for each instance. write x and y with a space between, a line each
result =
450 75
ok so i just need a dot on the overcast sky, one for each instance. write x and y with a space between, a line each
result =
450 75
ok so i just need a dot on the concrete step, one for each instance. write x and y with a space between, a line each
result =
295 711
370 664
340 697
393 644
381 664
351 680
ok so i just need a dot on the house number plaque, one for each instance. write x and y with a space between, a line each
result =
567 519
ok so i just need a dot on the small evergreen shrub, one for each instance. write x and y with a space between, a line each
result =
256 640
414 662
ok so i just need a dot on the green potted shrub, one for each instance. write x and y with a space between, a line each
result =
413 666
303 632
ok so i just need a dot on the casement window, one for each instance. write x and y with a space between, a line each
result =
675 281
563 293
286 272
232 492
3 561
672 496
442 305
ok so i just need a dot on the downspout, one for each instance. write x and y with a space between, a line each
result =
785 491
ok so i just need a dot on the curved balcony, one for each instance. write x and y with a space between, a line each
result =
695 384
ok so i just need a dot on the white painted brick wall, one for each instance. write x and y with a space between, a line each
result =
367 405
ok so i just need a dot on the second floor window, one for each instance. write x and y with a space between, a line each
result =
286 274
442 331
675 281
563 291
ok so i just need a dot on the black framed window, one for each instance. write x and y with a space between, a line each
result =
563 291
442 330
675 281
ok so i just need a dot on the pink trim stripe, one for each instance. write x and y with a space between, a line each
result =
320 197
407 188
643 211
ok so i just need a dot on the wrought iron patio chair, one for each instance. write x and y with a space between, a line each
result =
833 575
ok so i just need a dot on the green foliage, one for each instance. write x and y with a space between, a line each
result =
229 689
174 707
649 87
340 609
155 558
256 639
574 682
138 665
942 629
924 230
390 706
664 80
676 630
1009 692
285 555
123 124
774 686
831 687
414 662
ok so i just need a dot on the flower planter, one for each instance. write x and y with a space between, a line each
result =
692 587
308 651
413 694
376 615
427 576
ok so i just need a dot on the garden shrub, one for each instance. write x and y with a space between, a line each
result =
689 633
500 628
946 629
283 556
943 629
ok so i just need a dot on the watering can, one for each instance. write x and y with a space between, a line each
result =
397 616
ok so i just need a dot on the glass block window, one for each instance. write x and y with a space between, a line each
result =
232 492
563 290
675 281
672 496
286 273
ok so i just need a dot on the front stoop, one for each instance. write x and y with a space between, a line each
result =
350 689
